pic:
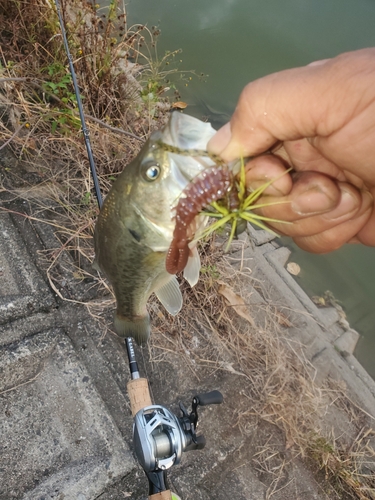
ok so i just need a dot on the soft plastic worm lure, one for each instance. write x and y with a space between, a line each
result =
211 185
225 197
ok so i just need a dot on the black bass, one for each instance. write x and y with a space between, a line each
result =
136 223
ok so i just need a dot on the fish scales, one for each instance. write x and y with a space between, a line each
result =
136 223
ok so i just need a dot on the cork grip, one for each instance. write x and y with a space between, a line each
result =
139 396
163 495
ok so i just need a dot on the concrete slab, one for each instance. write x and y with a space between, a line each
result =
106 361
347 342
22 289
42 243
57 437
277 258
260 236
310 326
23 327
24 360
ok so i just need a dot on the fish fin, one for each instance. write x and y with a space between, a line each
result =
189 132
191 271
138 328
170 296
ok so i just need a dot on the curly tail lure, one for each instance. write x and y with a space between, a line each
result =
226 198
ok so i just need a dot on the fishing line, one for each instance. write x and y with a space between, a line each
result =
85 130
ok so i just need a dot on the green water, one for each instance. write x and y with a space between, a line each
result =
235 41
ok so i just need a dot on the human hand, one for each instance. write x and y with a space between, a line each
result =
320 120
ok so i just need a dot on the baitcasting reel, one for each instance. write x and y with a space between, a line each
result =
160 437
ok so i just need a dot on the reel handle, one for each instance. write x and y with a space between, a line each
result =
201 442
208 398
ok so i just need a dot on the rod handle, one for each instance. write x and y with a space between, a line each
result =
163 495
139 394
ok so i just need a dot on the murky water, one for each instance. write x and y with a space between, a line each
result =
235 41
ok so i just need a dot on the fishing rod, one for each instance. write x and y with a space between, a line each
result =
159 436
85 130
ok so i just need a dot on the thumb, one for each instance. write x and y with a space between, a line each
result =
310 101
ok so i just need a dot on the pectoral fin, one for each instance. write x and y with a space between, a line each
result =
170 296
191 271
95 265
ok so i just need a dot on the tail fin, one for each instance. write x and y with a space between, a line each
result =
138 328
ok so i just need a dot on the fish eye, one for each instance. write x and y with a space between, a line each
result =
152 172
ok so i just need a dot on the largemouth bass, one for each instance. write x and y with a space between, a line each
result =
135 225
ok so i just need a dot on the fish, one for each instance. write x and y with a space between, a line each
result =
134 229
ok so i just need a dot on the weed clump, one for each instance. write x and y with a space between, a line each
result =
123 83
126 91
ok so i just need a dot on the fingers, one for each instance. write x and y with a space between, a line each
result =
276 107
315 203
302 194
345 215
315 101
303 156
323 114
366 235
266 168
335 237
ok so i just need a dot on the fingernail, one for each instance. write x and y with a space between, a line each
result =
367 200
220 140
318 63
312 202
349 202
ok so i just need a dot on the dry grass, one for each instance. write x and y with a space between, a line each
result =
124 86
217 329
275 372
351 468
223 328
